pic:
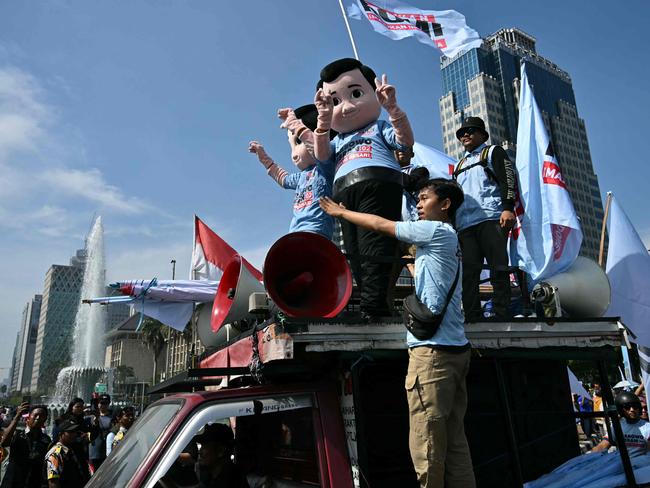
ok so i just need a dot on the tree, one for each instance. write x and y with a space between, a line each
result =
153 337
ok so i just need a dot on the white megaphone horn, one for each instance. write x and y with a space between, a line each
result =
230 303
582 290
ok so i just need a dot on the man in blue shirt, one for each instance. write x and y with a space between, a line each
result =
485 218
438 366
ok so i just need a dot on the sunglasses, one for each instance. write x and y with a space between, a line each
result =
629 406
469 131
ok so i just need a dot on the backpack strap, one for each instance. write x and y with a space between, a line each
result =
484 157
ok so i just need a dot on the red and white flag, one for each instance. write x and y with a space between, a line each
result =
547 238
211 254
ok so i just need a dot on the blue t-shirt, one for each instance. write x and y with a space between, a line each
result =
311 184
372 145
436 261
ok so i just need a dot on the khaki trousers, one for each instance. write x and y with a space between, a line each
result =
437 398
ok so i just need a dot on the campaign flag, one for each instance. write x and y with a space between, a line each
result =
439 164
211 254
443 29
547 237
628 270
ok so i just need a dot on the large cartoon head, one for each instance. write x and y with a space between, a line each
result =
352 87
302 154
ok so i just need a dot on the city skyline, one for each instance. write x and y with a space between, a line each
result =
144 113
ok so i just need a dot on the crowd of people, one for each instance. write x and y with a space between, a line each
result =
79 442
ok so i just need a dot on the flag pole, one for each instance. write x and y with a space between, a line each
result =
347 25
601 253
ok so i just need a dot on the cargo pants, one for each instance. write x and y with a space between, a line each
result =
437 398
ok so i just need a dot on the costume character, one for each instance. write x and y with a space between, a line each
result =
368 178
314 179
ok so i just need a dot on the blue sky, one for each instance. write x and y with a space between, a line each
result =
141 111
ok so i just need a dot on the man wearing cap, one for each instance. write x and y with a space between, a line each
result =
63 468
485 218
215 467
103 422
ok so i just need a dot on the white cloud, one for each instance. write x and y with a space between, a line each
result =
146 262
23 114
90 185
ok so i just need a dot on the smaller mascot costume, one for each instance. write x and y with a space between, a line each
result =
314 180
368 178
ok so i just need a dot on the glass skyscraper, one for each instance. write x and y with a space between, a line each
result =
484 82
61 297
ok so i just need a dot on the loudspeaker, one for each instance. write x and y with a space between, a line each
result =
307 276
207 337
583 289
231 300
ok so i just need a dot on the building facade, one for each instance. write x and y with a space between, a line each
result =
26 345
484 82
61 296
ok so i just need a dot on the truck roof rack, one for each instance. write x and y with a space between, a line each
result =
196 379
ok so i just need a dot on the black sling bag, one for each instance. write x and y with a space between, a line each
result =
419 320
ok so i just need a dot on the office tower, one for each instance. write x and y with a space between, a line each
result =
61 295
22 374
484 82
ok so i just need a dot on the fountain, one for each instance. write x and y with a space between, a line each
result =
87 358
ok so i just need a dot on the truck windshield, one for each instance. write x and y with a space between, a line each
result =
118 469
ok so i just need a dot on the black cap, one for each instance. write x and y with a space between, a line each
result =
308 115
70 425
473 123
220 433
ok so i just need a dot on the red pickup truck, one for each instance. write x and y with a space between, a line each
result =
332 413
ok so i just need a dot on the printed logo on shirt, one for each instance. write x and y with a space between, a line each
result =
305 197
355 149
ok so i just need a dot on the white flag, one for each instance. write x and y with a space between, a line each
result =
547 237
444 29
628 270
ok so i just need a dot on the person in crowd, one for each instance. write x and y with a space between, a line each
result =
123 421
103 422
636 431
367 178
76 411
485 218
597 399
214 466
438 365
584 404
27 448
63 468
312 180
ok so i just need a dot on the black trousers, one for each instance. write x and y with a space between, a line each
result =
380 198
487 240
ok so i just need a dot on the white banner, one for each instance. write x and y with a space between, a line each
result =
547 237
444 29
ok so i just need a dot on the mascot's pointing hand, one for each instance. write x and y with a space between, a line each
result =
289 120
325 107
386 94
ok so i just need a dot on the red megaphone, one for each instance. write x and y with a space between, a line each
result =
307 276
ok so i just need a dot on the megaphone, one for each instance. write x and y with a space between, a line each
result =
231 300
207 336
307 276
582 290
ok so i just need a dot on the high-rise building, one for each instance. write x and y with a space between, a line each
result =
484 82
12 380
116 313
22 373
61 295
